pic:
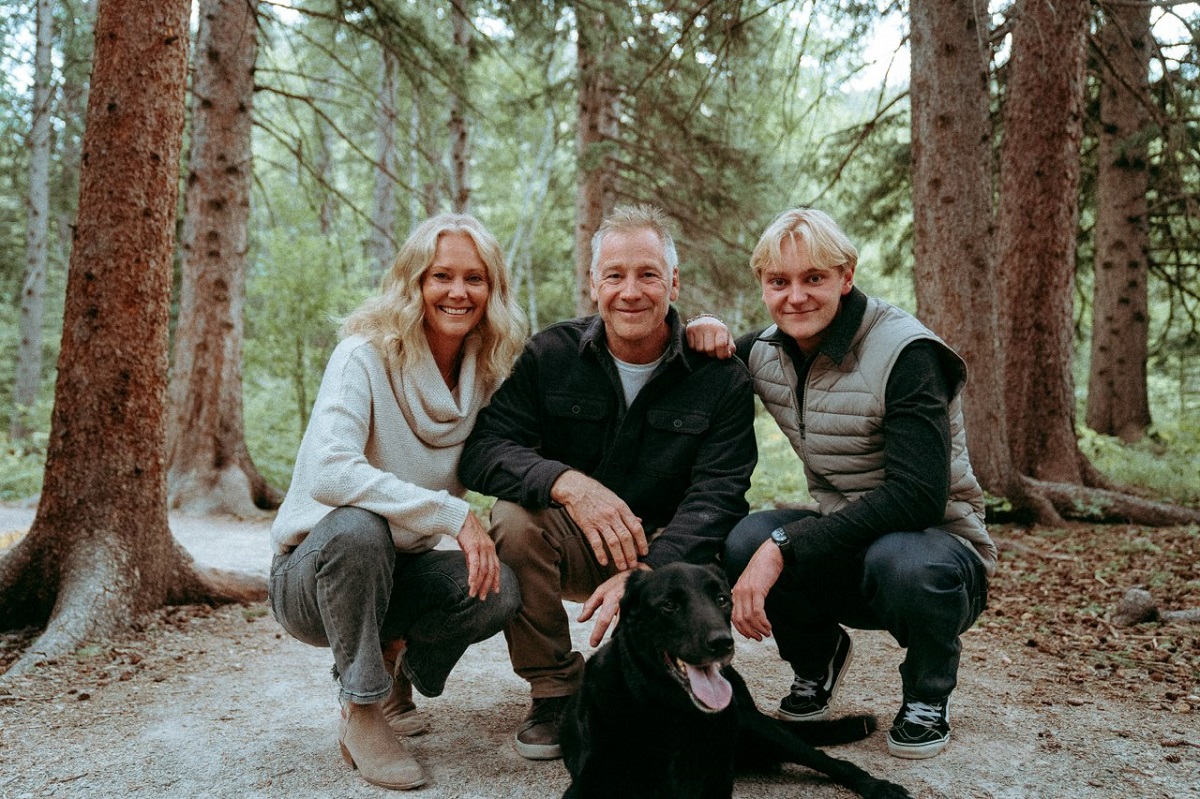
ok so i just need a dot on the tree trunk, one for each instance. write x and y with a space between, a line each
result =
536 184
416 188
72 107
596 133
1036 229
383 202
955 274
1117 403
99 551
33 289
460 152
210 470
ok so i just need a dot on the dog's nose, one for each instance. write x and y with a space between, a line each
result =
720 644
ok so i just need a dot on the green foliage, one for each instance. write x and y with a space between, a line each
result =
297 288
779 476
1162 465
21 468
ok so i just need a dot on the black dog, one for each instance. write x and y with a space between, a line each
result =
663 715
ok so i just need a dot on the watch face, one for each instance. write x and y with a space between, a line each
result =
780 537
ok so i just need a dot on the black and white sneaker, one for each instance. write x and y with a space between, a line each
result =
811 697
921 729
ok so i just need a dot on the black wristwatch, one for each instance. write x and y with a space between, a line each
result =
782 540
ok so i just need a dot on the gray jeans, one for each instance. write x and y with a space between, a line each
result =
346 587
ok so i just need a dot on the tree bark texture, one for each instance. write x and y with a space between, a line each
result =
460 149
1117 402
99 551
33 286
596 134
953 222
383 198
1036 229
210 470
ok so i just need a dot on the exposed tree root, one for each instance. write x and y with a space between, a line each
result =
196 583
1103 505
237 490
97 593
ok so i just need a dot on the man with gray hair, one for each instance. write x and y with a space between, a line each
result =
611 447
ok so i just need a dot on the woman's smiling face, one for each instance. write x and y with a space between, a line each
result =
454 288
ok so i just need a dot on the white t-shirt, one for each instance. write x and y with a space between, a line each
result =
635 375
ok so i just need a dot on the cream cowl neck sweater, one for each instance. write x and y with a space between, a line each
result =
387 442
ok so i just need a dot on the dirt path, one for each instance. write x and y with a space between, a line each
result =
221 703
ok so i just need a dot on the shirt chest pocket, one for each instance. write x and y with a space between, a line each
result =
672 440
575 429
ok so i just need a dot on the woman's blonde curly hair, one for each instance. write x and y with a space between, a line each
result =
394 318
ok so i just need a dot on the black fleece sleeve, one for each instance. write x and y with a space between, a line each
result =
916 483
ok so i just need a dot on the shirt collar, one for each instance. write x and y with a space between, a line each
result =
593 339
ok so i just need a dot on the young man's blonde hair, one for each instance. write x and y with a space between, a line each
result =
393 319
630 218
825 243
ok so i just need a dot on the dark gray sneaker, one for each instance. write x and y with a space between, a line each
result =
811 696
537 738
921 729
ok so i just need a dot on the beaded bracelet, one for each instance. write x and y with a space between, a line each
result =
702 316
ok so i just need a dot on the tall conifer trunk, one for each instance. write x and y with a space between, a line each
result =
100 551
1117 401
210 469
1037 220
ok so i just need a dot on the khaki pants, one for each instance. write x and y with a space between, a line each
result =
552 561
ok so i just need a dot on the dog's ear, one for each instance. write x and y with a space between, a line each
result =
716 570
632 598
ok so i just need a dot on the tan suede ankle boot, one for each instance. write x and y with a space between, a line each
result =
368 744
398 707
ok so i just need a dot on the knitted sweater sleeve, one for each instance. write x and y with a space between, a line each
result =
352 400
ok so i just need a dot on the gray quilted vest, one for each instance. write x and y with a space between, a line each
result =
838 434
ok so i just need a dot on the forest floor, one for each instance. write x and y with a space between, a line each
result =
1053 700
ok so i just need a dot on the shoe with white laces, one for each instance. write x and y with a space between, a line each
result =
811 696
921 729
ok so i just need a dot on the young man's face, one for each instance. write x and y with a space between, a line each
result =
633 290
802 299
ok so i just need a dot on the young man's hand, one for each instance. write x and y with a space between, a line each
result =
750 592
710 336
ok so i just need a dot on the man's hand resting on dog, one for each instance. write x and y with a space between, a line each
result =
606 598
610 526
750 592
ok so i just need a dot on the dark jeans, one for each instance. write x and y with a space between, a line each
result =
346 587
925 588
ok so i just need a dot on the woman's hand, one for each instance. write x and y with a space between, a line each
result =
483 565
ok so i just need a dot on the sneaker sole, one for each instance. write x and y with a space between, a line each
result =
537 751
916 751
821 715
818 715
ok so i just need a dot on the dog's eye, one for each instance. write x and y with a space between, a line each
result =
722 600
669 606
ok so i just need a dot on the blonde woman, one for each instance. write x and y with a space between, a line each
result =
375 490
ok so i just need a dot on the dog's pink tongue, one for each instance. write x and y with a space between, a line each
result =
710 686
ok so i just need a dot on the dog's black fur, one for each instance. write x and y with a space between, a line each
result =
640 728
